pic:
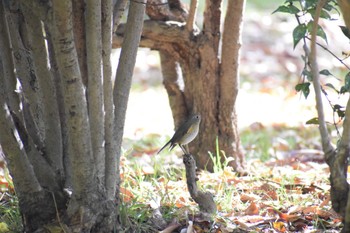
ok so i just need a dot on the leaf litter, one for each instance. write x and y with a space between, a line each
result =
289 192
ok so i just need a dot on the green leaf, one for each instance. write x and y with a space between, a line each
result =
324 14
313 121
326 72
345 31
299 33
339 110
309 4
346 87
291 9
330 85
320 31
307 74
304 88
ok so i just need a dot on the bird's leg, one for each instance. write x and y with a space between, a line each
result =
183 149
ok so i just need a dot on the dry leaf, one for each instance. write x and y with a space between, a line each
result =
251 197
126 194
279 226
252 209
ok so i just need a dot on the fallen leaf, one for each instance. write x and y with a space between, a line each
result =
126 194
252 209
251 197
279 226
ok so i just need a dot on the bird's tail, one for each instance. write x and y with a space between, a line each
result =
163 147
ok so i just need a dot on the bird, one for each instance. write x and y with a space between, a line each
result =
185 133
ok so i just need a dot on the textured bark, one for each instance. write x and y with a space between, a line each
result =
204 200
111 173
229 84
79 37
54 144
172 77
125 70
52 126
74 97
337 159
25 72
118 11
7 65
94 87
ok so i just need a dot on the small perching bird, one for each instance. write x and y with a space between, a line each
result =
185 133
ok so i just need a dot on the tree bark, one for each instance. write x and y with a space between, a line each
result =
54 144
204 72
125 70
337 159
94 87
110 142
229 84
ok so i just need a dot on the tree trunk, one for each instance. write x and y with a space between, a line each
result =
58 130
336 158
209 73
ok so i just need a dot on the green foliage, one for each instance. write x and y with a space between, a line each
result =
304 88
10 215
305 24
304 13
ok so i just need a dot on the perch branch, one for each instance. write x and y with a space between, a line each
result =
203 199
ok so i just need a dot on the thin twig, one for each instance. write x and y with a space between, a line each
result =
57 213
192 15
330 52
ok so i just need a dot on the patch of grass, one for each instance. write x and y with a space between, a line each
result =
10 214
257 144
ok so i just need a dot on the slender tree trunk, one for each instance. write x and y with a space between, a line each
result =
58 130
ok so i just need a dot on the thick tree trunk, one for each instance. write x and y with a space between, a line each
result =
210 77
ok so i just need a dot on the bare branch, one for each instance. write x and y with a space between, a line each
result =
192 15
155 32
212 17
